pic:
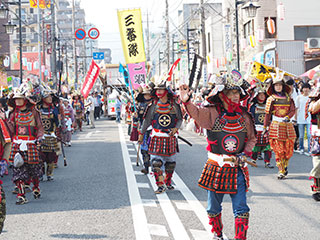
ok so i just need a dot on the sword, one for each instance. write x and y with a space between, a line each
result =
246 161
137 161
179 137
185 140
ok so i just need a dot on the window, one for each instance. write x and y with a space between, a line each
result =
31 10
266 32
304 32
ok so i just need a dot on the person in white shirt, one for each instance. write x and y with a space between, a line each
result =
303 121
90 106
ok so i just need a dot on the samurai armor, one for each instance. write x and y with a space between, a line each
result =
163 146
221 179
31 156
2 207
49 144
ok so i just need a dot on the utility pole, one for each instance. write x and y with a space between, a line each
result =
204 44
148 38
237 35
53 43
74 46
20 43
168 35
66 49
172 48
43 46
39 43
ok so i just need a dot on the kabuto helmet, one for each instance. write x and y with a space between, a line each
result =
231 81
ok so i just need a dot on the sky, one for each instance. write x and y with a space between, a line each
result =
103 14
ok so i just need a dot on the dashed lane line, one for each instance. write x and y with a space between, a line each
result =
138 214
192 201
177 229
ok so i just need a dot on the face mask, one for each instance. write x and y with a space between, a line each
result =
161 95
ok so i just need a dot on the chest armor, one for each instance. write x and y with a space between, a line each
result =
228 134
165 117
259 114
47 118
67 113
281 106
25 124
77 107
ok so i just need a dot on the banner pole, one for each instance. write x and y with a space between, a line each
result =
131 91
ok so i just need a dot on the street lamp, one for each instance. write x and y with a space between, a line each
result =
251 10
10 28
3 12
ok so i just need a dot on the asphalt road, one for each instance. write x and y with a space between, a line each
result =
102 195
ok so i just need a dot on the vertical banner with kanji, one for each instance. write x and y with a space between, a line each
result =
137 72
130 26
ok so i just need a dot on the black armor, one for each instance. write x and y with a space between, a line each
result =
228 134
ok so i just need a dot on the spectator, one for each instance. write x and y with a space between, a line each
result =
91 108
97 105
300 116
118 108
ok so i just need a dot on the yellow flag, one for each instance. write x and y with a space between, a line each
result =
42 3
262 72
33 3
130 26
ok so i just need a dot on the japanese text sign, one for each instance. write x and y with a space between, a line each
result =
137 73
131 33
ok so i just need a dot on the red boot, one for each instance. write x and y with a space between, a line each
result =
217 226
241 226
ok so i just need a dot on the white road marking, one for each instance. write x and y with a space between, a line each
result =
200 234
149 202
194 203
182 206
133 156
138 173
143 185
138 213
88 135
158 230
174 222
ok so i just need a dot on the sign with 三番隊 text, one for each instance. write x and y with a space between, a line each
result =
130 26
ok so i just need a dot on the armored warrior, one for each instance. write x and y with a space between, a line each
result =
143 99
50 121
314 108
5 140
279 110
68 119
78 107
25 126
164 115
231 138
257 109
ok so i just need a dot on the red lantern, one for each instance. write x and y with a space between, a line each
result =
271 26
